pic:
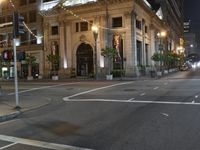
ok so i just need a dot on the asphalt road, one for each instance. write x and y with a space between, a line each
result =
161 114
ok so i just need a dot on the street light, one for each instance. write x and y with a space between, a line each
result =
161 35
95 33
1 6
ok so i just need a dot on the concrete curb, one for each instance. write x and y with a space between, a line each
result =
9 116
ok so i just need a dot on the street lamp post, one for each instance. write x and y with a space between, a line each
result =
95 33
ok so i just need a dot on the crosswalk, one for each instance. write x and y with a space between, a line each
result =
15 143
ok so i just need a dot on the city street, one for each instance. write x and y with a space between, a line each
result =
151 114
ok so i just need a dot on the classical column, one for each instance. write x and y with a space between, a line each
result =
153 42
62 46
68 46
130 44
143 43
46 49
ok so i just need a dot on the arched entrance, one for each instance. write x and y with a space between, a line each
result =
84 60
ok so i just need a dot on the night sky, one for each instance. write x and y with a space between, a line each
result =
191 12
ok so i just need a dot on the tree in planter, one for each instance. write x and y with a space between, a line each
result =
54 60
157 57
109 54
30 60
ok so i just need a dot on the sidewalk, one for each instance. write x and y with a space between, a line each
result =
7 107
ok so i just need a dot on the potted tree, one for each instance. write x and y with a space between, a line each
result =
109 54
54 60
158 57
30 60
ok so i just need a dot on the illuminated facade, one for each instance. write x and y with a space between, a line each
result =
130 27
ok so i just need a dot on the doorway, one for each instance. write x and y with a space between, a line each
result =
84 60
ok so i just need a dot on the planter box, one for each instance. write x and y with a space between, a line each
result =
166 72
152 73
40 77
159 73
109 77
54 77
30 78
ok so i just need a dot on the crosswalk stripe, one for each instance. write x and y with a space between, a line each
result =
4 147
40 144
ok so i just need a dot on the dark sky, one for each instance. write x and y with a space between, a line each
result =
192 12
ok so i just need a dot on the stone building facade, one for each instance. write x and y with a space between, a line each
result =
131 26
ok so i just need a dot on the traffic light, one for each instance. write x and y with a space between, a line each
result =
18 25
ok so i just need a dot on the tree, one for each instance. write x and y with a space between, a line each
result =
54 60
30 60
109 54
157 57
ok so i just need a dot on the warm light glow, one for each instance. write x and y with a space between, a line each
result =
95 28
65 63
1 1
162 34
101 61
181 49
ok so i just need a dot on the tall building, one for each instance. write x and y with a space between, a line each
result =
30 42
172 15
187 26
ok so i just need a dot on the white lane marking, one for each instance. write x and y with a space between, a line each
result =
196 96
156 88
164 114
135 101
44 87
142 94
40 144
4 147
131 99
93 90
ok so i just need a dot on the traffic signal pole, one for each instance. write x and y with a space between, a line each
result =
16 76
17 30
